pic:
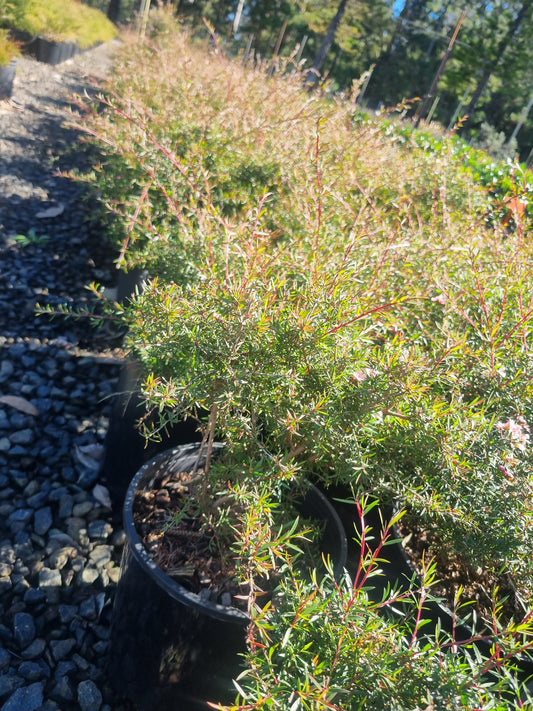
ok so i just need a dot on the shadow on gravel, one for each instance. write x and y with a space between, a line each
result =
33 158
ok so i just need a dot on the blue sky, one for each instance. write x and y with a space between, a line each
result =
397 6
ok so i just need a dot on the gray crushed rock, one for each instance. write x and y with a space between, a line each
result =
60 546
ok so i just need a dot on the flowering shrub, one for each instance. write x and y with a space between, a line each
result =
338 297
518 432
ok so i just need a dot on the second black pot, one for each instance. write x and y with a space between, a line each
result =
7 77
51 52
398 572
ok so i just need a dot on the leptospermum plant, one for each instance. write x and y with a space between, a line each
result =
307 360
9 49
296 364
276 349
361 321
343 310
463 442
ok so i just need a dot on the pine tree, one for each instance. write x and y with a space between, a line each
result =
327 42
492 63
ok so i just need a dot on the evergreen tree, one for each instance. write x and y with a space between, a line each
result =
327 41
492 62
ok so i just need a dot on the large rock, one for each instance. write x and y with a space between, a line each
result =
89 696
26 698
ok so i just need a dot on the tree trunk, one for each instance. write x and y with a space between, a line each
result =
520 123
113 10
238 15
491 66
422 111
404 15
326 43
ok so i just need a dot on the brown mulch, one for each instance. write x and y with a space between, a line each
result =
183 543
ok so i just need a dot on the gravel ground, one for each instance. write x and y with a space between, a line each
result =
60 543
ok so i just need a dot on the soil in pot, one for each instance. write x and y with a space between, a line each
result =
421 543
186 546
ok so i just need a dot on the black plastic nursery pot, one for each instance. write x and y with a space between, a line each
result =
7 78
51 52
131 282
440 614
398 572
126 449
172 649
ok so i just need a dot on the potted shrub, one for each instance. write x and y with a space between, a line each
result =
8 52
359 326
180 615
285 374
277 350
56 30
233 347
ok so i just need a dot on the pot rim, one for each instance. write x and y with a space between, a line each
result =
171 586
